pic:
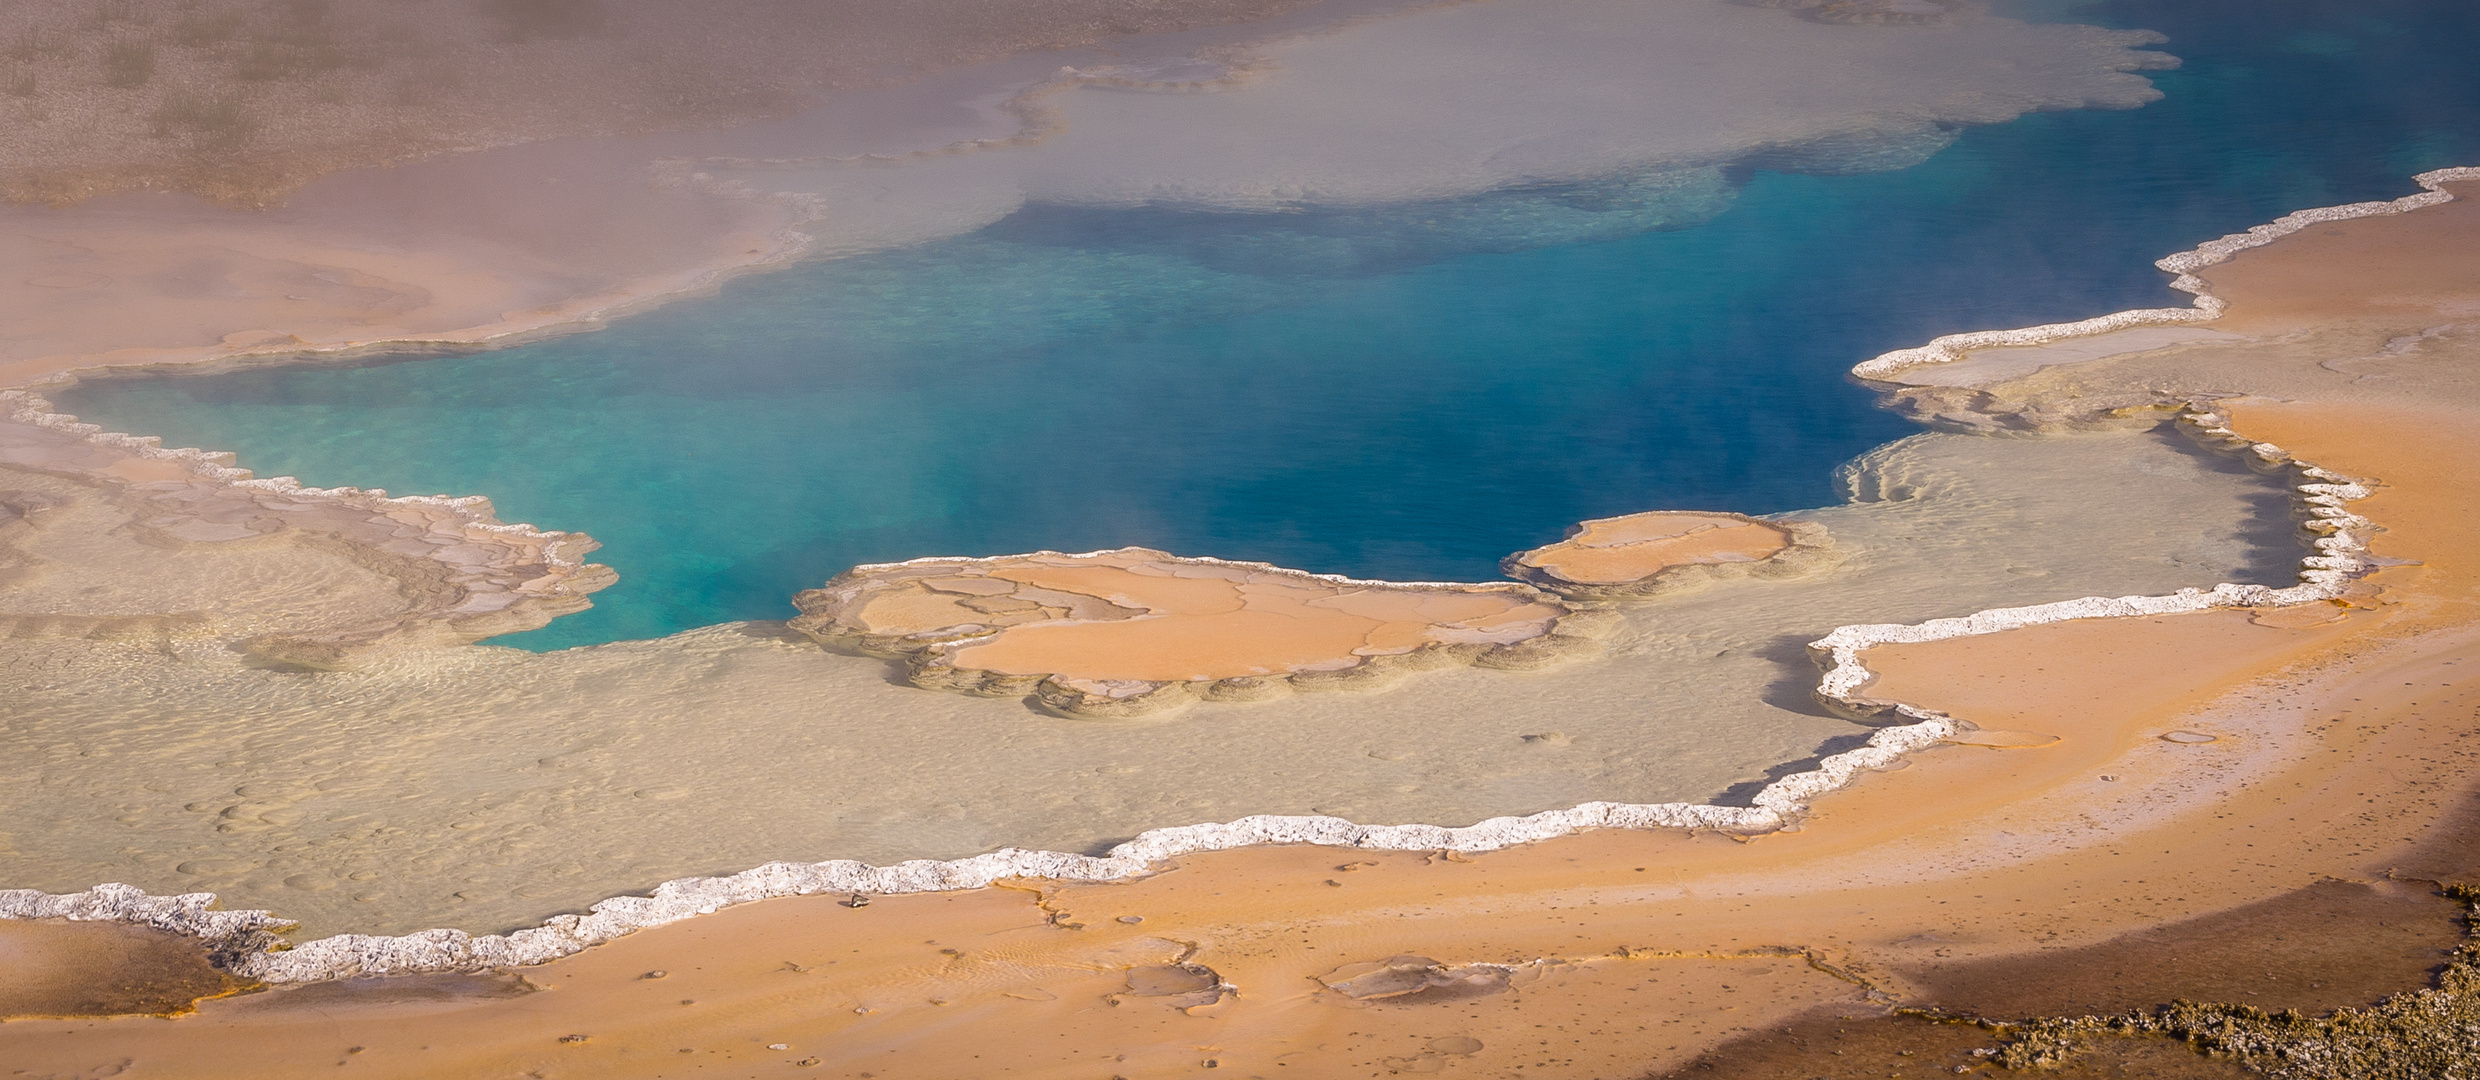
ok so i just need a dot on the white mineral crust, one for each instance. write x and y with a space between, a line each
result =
244 940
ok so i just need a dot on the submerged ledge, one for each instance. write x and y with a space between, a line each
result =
1660 551
245 941
2341 557
2206 308
467 574
1133 631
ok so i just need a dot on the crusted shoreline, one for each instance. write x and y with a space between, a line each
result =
933 614
481 577
247 942
2207 307
2322 496
1800 548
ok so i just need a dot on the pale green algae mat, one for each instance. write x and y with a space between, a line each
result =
169 726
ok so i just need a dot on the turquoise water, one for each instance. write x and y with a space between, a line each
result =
1376 395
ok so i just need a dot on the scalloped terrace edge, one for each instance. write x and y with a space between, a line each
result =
1807 549
246 942
928 659
522 578
2206 308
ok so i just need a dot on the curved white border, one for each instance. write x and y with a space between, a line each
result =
2207 307
2341 554
246 942
473 513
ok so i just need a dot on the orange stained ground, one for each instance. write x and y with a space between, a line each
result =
1614 551
1630 951
1969 851
1219 622
2415 269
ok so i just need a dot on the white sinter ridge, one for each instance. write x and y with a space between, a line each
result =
2207 307
246 943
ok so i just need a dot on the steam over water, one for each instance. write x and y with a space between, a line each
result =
1402 390
1394 301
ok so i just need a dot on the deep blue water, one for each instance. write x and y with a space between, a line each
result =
1341 393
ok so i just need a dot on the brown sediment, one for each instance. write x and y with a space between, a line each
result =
1135 631
2315 949
1849 1044
2341 752
1663 550
59 969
